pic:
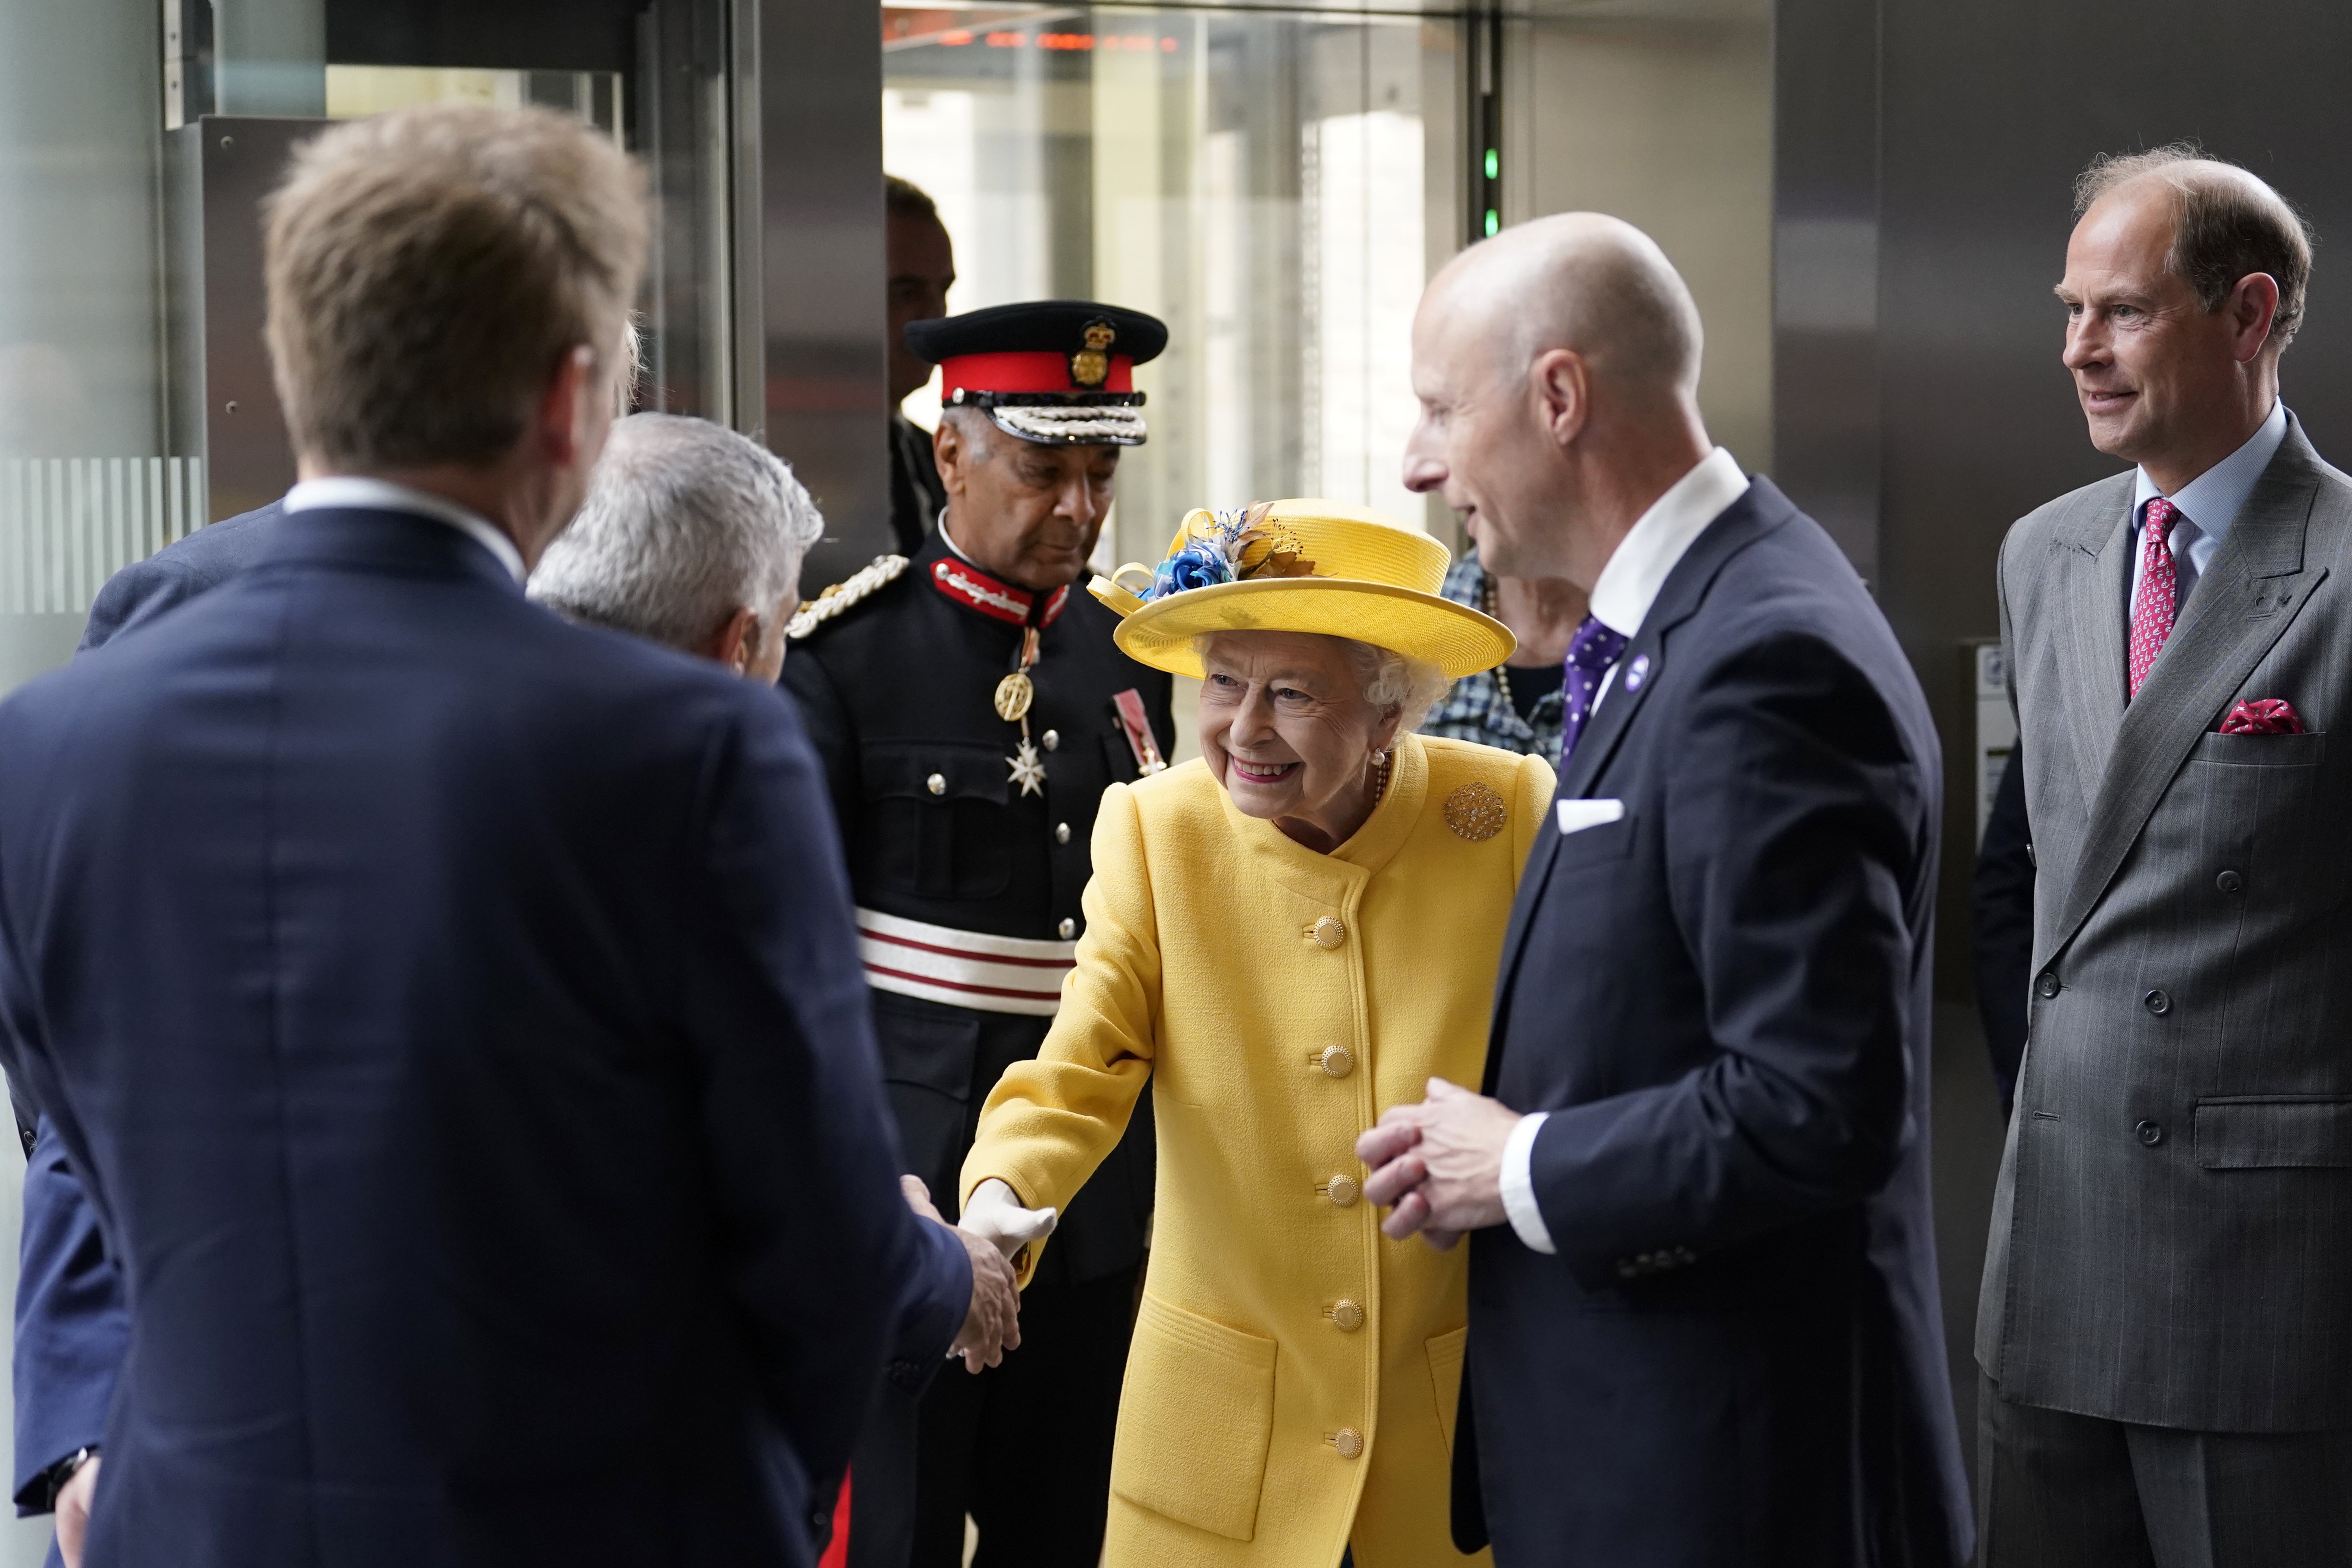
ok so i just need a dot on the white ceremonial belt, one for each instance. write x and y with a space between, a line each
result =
964 968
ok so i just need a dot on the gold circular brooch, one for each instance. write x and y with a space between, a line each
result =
1013 695
1475 811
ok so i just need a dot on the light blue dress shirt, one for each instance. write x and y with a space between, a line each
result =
2208 503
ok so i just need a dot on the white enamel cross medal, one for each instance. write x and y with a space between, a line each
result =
1028 768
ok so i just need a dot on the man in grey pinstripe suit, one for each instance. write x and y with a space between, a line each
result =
2165 1328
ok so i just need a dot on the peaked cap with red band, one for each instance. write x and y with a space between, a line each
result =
1057 372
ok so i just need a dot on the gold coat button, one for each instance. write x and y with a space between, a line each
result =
1349 1442
936 783
1068 929
1339 1060
1328 932
1343 1191
1349 1316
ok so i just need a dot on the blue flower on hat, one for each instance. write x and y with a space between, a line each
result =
1199 564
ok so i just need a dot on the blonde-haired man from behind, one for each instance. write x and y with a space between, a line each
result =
407 973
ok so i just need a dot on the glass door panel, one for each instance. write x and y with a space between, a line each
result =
1274 186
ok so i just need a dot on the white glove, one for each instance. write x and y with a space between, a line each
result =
994 1214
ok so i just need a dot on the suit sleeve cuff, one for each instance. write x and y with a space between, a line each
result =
937 1316
1518 1184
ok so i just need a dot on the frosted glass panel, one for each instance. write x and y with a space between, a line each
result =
1272 184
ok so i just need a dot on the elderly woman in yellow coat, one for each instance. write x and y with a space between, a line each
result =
1289 936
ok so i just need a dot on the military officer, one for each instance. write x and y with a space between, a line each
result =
970 709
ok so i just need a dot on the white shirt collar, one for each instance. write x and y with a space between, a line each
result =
949 539
1646 557
2213 499
382 495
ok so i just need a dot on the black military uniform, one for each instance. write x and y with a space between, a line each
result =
967 835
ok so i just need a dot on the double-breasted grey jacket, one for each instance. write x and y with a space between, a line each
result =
2172 1231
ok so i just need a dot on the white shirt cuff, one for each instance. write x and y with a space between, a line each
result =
1518 1184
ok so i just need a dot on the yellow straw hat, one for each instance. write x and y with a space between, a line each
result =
1299 566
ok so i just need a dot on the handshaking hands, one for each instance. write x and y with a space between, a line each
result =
995 1228
992 1325
1437 1166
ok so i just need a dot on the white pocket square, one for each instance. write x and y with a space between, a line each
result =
1576 815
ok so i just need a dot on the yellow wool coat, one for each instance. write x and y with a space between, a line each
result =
1293 1376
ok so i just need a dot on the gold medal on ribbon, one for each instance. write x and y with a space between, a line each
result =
1013 695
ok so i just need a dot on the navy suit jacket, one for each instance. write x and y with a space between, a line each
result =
455 1018
1736 1356
72 1328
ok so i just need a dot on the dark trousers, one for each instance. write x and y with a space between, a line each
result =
1024 1448
2057 1490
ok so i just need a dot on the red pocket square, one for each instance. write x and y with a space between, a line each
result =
2267 716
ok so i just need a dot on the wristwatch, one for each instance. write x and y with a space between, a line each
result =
54 1478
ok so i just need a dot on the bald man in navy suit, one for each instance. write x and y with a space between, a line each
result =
1704 1319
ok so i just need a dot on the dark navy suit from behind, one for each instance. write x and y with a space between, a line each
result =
1735 1358
72 1328
455 1018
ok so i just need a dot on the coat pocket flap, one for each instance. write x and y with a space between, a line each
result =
1445 1378
1602 842
2251 751
902 769
2266 1131
1196 1419
927 1045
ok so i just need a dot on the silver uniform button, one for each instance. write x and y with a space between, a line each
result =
936 783
1051 740
1068 929
1061 833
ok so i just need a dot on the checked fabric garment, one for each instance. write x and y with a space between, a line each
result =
1590 652
2158 599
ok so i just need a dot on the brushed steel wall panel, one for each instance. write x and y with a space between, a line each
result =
820 268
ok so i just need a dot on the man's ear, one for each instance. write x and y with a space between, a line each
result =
735 643
1562 384
575 412
951 453
2253 306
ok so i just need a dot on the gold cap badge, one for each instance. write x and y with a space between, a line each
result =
1090 366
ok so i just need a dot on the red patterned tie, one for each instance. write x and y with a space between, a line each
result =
2159 583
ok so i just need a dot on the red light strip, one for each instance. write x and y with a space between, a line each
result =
1080 43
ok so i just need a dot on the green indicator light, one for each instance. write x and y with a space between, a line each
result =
1494 222
1494 165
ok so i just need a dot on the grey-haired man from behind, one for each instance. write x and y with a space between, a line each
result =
2163 1328
692 536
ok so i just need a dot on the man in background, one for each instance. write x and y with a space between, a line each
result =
921 261
73 1328
2168 1377
2001 935
354 915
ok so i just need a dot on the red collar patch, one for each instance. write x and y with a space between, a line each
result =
976 590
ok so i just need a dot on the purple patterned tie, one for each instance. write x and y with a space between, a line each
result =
1590 652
